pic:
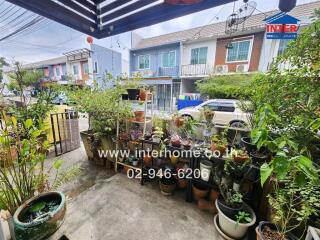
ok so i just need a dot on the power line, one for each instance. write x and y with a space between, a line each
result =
31 23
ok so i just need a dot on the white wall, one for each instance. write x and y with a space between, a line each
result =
187 46
268 52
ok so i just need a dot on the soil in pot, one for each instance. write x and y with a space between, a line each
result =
167 186
199 191
248 145
269 231
133 93
40 217
139 116
260 157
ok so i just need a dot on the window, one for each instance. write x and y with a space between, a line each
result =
144 61
283 46
199 55
220 106
95 67
239 52
169 59
85 68
75 69
57 72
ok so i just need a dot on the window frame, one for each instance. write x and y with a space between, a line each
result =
249 51
198 60
73 67
144 55
95 67
175 58
56 73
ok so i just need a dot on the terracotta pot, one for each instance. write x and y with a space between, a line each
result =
126 169
124 136
207 206
147 159
175 141
139 116
214 194
240 159
199 192
143 94
179 121
182 183
220 149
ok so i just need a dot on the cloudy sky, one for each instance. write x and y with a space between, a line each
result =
51 39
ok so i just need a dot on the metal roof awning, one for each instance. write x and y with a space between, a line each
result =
104 18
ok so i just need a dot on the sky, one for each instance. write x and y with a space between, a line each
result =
52 39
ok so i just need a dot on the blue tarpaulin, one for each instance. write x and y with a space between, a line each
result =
188 103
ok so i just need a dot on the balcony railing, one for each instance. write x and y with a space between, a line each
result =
168 71
195 70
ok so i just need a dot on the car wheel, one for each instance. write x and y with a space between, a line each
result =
236 136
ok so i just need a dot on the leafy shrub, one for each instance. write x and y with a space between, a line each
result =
225 86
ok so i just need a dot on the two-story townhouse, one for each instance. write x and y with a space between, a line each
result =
160 67
81 66
209 50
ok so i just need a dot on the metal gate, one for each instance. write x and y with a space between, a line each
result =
65 131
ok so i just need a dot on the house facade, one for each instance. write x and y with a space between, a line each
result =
81 67
159 67
208 50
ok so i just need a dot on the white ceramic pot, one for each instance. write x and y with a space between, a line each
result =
232 228
205 170
135 163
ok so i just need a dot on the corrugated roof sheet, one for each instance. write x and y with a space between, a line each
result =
255 22
52 61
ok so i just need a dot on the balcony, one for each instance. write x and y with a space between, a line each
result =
168 71
196 70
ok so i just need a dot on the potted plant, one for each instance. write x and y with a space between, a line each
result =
230 202
199 191
187 144
167 184
237 226
248 145
178 121
240 156
208 115
182 182
219 145
40 216
175 140
28 177
139 116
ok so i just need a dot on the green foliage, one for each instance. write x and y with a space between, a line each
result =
294 205
243 217
231 197
294 92
226 86
23 156
102 106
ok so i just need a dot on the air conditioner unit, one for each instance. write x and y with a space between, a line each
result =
242 68
220 69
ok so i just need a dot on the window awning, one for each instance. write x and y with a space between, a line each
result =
104 18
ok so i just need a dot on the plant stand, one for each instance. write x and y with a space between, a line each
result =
146 120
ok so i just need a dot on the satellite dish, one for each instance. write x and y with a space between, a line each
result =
232 24
245 11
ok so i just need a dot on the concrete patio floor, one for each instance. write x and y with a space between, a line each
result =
104 206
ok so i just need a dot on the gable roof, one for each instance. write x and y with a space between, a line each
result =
281 18
217 30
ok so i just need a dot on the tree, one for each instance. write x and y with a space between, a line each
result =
21 79
294 92
225 86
